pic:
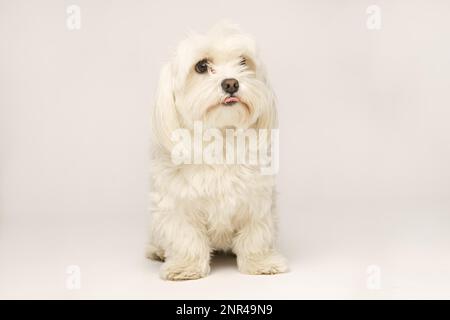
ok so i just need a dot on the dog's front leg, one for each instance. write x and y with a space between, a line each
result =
187 250
254 247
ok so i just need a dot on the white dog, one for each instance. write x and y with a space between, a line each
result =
216 79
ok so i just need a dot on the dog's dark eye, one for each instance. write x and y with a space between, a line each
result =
243 61
201 66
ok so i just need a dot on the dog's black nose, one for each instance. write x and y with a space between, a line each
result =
230 85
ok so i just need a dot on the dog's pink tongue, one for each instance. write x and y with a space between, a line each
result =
231 100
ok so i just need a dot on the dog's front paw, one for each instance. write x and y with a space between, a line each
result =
272 263
182 270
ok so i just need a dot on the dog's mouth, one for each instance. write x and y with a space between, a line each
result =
229 101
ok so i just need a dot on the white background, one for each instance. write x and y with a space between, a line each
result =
365 146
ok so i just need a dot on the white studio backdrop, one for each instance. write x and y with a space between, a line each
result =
364 181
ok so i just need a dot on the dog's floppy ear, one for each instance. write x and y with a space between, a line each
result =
165 118
268 118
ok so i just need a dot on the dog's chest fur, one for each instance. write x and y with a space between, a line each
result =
219 199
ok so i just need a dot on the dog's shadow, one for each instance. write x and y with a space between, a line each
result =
223 261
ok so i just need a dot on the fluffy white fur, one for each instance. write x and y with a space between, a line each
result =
199 209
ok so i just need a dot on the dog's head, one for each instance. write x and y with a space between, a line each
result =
216 78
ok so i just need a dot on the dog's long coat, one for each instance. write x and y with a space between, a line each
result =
201 208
